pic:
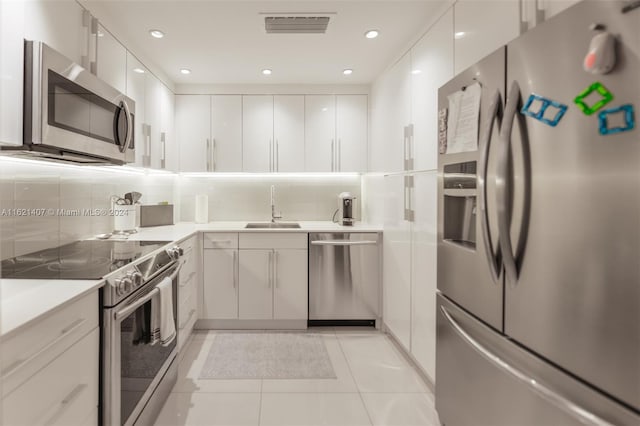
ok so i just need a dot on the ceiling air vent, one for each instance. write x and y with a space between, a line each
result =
296 24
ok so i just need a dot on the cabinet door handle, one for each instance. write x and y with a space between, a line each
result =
74 325
277 160
339 156
270 155
275 268
208 155
333 155
270 269
235 269
163 157
215 155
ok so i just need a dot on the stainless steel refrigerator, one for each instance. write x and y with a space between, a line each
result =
539 229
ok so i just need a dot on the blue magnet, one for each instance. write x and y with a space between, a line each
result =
546 103
629 120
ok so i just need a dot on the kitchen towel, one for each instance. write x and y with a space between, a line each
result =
162 321
202 208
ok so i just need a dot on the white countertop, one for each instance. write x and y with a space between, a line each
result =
183 230
24 301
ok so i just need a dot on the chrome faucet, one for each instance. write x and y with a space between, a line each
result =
273 206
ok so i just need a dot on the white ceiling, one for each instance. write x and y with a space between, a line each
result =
224 42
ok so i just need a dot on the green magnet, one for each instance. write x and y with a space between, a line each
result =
595 87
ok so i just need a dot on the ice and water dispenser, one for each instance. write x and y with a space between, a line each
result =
460 206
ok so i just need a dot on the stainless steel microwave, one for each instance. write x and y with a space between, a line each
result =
71 115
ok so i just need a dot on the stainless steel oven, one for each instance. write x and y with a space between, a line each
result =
137 376
70 114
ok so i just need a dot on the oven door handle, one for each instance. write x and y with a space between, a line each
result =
125 312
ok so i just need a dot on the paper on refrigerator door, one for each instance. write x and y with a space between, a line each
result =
463 120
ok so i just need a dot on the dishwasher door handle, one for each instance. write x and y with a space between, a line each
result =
343 243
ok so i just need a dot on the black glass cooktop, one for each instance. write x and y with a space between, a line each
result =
90 259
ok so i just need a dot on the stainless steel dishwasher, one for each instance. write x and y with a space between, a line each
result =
344 278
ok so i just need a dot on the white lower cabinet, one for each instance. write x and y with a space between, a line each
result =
256 284
188 290
254 280
273 284
50 370
65 392
397 262
409 278
290 284
220 284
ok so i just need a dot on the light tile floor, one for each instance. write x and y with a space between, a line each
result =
375 385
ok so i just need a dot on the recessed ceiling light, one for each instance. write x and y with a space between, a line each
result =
266 71
325 109
156 33
138 70
185 70
416 72
347 71
459 34
372 34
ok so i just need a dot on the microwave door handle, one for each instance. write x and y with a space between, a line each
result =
485 145
127 140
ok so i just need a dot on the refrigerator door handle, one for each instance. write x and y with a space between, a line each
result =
503 188
577 412
495 264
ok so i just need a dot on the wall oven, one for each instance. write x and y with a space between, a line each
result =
137 376
72 115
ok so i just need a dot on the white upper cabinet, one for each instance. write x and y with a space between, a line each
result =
351 133
11 70
257 133
481 27
431 67
135 90
193 132
153 112
111 60
226 134
336 129
154 135
393 106
168 147
60 25
288 133
319 133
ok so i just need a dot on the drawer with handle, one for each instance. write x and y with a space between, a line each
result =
29 350
220 240
65 392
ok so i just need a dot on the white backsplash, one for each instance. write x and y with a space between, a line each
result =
40 185
248 198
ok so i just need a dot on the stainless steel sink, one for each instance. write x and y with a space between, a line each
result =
272 225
